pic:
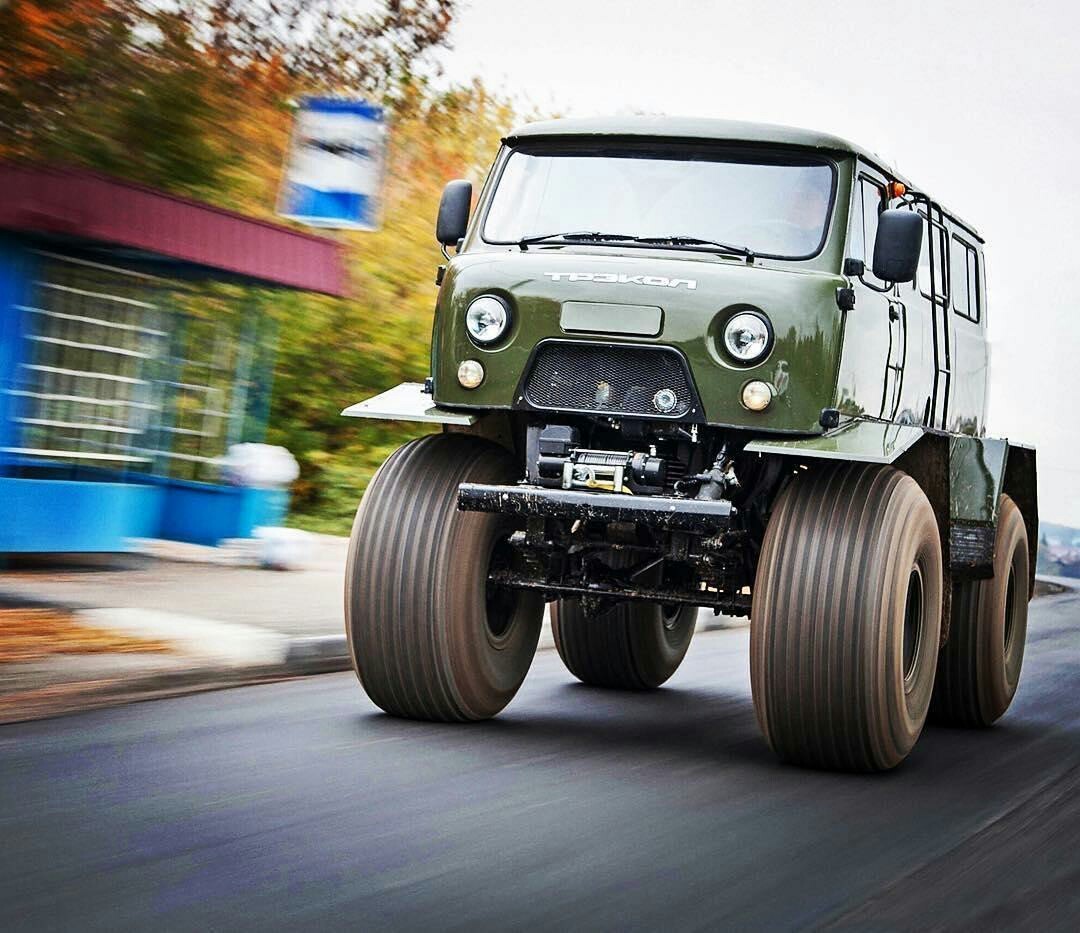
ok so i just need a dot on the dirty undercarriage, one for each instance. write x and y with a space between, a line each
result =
606 548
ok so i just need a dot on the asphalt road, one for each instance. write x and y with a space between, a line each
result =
298 805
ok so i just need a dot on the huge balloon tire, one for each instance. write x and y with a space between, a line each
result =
979 667
846 618
632 646
428 636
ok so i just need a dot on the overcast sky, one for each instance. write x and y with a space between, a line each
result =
977 102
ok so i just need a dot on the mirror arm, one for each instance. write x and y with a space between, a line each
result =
445 251
889 286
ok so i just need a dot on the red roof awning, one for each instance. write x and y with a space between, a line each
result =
99 210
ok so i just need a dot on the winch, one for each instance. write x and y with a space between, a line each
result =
555 460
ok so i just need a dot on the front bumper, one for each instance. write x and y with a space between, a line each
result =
667 513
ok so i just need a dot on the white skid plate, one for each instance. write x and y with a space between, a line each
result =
407 402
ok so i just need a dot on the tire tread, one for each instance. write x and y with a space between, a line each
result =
403 543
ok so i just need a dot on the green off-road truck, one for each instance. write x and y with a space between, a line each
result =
694 363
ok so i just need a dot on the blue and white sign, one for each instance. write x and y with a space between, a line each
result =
335 164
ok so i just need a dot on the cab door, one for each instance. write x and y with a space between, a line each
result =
872 362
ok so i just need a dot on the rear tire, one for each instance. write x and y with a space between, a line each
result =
846 618
979 667
429 639
633 646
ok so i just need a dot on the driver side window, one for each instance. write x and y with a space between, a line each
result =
871 197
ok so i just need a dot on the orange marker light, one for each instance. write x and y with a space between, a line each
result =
897 189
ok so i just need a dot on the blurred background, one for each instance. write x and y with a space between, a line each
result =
197 99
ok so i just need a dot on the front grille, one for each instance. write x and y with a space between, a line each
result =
609 379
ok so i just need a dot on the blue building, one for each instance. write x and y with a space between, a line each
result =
117 397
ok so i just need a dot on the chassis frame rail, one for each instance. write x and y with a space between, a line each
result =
736 604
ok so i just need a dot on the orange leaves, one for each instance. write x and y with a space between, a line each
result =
47 34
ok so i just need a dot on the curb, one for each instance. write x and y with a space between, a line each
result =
320 654
302 657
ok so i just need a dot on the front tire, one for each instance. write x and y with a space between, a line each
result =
428 637
632 646
846 618
979 667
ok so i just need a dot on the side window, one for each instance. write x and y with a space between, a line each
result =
941 283
965 279
871 197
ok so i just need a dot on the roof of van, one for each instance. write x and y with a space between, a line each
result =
690 128
706 128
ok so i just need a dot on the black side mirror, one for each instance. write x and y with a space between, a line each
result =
454 207
898 244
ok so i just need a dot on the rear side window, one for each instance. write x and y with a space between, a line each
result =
941 282
964 271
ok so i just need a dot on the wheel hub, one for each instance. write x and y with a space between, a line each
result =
670 615
1010 608
500 602
913 621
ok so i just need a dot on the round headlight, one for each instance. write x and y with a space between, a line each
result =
746 337
470 374
487 319
757 395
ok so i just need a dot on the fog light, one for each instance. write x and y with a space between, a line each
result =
665 401
470 374
756 395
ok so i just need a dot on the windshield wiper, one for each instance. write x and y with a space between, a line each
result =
574 236
595 236
697 241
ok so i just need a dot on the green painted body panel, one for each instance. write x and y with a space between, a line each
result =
976 477
799 298
862 441
800 304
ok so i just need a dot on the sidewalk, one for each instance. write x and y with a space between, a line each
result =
187 619
207 583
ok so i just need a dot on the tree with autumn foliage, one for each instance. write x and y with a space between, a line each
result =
195 97
182 94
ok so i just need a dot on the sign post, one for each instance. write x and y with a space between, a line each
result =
335 166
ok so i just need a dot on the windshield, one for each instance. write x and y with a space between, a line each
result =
776 207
